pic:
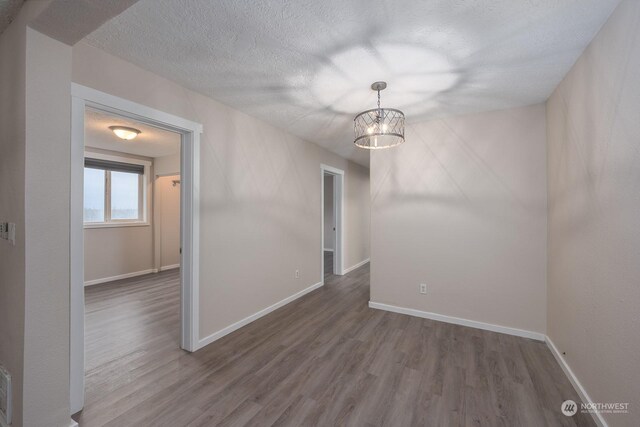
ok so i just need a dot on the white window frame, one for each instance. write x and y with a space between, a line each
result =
144 201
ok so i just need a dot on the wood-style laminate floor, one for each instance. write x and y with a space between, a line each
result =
325 359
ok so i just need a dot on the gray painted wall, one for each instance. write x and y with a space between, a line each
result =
12 197
34 278
462 207
46 334
594 215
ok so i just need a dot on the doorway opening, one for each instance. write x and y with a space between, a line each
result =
134 227
131 215
332 215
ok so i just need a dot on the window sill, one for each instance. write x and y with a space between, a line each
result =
116 224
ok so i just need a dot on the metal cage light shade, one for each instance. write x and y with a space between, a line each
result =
379 127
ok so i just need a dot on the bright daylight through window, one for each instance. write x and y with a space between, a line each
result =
125 195
113 193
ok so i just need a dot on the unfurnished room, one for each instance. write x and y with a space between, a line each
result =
319 213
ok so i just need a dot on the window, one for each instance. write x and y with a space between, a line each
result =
94 195
125 196
113 193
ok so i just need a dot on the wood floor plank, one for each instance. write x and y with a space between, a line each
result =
324 359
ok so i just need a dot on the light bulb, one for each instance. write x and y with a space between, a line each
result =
124 132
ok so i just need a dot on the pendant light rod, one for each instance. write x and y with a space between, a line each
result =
378 86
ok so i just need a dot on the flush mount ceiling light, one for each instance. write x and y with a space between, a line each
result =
379 127
124 132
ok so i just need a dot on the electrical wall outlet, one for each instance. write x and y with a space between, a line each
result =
423 288
297 274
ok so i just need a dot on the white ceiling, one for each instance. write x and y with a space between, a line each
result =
306 65
152 142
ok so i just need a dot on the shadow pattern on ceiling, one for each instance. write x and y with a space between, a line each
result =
306 66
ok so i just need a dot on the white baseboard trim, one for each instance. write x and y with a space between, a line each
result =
597 417
328 250
120 276
235 326
458 321
353 267
169 267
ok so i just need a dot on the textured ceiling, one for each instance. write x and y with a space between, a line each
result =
8 11
306 66
152 142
